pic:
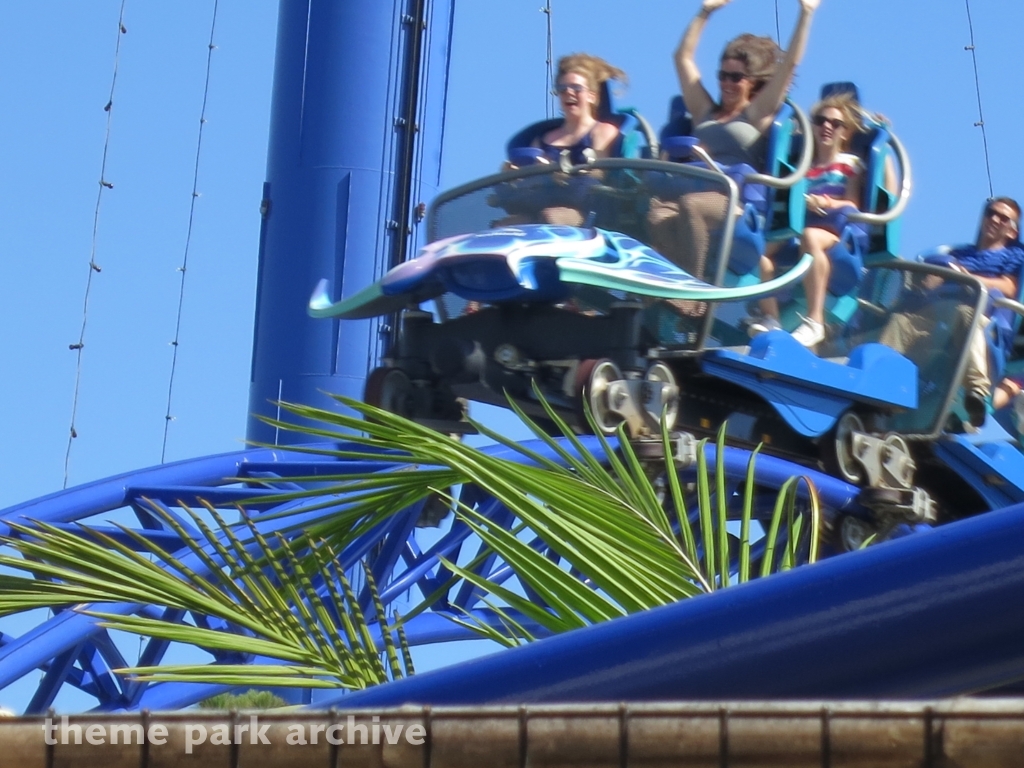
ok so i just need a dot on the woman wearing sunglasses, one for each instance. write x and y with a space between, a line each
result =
581 134
753 77
578 85
833 191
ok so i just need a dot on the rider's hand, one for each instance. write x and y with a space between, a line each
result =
810 5
816 203
713 5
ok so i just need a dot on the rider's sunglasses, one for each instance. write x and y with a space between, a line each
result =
574 87
836 124
732 77
1001 218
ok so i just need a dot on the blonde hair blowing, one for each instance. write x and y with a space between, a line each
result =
595 69
851 111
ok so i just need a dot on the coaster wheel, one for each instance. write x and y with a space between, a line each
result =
851 533
659 373
898 445
837 449
591 387
390 389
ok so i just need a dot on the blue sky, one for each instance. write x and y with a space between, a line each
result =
912 67
908 57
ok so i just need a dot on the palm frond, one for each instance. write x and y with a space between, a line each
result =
591 538
280 603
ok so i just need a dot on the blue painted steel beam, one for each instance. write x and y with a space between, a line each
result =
191 495
994 493
111 493
150 522
357 121
391 547
54 677
937 614
419 566
48 640
94 660
312 469
151 655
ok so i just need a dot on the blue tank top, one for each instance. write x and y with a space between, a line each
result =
576 156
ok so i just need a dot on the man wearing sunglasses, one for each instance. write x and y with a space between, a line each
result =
996 259
997 255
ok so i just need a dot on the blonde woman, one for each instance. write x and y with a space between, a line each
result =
578 86
833 189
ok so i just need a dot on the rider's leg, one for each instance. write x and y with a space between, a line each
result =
817 242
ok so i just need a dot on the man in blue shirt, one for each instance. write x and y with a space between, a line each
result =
997 256
996 259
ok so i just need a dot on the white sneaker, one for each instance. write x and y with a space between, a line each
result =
763 325
810 333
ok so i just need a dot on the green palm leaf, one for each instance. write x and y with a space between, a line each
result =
592 540
600 526
268 593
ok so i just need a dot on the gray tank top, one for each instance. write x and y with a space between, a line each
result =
736 141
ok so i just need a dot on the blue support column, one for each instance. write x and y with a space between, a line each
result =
357 121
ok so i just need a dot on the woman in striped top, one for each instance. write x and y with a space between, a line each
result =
834 187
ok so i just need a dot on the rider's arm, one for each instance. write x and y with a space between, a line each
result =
891 179
768 100
1005 283
698 100
822 203
602 136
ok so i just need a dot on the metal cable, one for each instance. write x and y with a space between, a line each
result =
183 269
549 77
977 88
94 268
